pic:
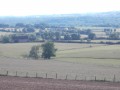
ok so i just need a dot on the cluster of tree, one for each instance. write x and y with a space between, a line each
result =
5 39
47 32
4 25
91 36
48 51
15 38
85 31
114 36
65 35
26 28
36 25
47 35
57 35
73 36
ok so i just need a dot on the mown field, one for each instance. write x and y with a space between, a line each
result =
84 60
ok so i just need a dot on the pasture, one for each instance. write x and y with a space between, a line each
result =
84 60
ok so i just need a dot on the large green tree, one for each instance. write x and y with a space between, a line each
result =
48 50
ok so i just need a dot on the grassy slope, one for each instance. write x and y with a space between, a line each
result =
15 50
100 55
19 49
97 52
70 52
81 59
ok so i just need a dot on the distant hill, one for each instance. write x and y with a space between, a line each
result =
111 19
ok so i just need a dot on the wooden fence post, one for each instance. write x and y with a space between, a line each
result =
114 78
46 75
76 77
85 78
36 75
56 75
66 77
7 73
16 73
27 74
104 79
95 78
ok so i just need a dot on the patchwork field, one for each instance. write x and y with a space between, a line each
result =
76 61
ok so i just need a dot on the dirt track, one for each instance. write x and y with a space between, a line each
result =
18 83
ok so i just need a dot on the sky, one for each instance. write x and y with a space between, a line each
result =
49 7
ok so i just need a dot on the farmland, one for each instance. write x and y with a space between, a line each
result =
87 57
84 60
19 49
18 83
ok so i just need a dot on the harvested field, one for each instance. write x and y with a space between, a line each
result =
102 61
18 50
83 69
18 83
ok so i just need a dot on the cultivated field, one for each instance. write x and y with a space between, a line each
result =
17 83
76 61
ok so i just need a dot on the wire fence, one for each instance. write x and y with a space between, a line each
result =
59 76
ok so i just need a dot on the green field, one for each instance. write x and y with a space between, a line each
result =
82 59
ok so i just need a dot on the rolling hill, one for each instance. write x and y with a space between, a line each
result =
110 19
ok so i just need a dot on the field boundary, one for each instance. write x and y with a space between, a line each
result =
56 76
90 58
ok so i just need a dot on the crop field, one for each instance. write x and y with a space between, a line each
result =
18 83
76 61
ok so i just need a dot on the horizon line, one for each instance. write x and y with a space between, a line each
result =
82 13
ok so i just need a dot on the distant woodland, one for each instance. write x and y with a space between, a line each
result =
107 19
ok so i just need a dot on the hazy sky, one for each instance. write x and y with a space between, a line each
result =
43 7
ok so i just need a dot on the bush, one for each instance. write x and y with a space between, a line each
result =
5 39
34 52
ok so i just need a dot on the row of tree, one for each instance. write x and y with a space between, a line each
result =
22 25
15 38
